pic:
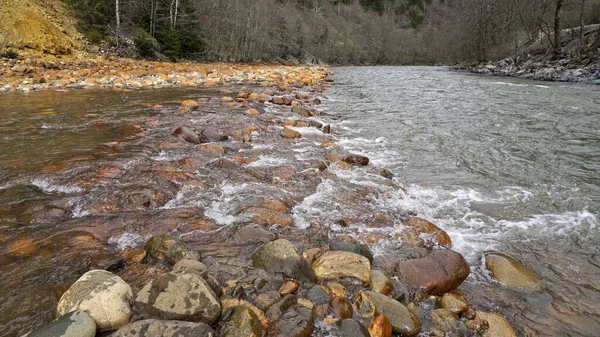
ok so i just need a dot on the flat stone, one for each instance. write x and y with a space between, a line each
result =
281 256
510 272
253 233
335 264
103 295
157 328
73 324
290 134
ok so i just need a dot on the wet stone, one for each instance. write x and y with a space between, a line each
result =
381 282
158 328
498 325
103 295
340 307
179 296
73 324
351 328
242 322
281 256
380 327
455 302
253 233
189 135
352 248
298 321
169 250
403 321
276 310
510 272
335 264
317 295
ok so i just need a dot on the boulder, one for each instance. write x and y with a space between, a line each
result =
437 273
281 256
510 272
179 296
403 321
422 226
169 250
157 328
103 295
73 324
357 160
334 264
498 325
297 321
242 322
352 248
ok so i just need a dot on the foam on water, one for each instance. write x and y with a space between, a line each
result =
188 196
50 187
126 241
266 161
223 210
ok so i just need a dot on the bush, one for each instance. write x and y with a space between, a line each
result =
9 54
146 45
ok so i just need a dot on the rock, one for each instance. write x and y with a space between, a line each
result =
188 135
277 100
327 128
498 325
267 217
351 328
439 272
445 321
216 148
478 325
169 250
242 322
381 282
228 303
265 300
73 324
422 226
191 266
334 264
281 256
277 310
288 287
213 136
157 328
105 297
380 327
318 295
340 307
352 248
253 233
253 112
190 104
315 124
455 302
337 289
298 321
22 247
403 321
510 272
179 296
290 134
226 99
357 160
302 111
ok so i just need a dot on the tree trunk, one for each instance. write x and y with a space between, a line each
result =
557 46
596 44
581 24
118 18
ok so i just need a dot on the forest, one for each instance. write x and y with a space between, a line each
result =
332 31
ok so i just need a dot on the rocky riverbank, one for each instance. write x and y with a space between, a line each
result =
201 222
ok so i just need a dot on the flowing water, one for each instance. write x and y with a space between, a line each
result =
500 164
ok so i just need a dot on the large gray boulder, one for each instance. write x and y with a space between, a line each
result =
281 256
156 328
179 296
105 296
73 324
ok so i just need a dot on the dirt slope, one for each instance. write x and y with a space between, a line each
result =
38 27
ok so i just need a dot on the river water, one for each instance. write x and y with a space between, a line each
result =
499 163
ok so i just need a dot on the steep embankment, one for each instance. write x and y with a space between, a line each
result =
38 27
578 62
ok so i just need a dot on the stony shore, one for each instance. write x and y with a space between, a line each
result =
260 272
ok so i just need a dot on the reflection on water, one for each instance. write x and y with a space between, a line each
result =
503 164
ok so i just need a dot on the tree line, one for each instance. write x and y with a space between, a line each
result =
333 31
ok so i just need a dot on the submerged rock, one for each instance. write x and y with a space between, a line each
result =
422 226
73 324
281 256
498 325
242 322
253 233
157 328
169 250
103 295
455 302
179 296
334 264
189 135
439 272
297 321
510 272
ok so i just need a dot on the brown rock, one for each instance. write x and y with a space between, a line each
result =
498 325
188 135
226 99
340 307
274 205
337 289
133 255
357 160
340 165
327 128
253 112
290 134
190 104
21 247
267 217
455 302
288 287
380 327
510 272
277 100
214 148
381 282
287 100
422 226
439 272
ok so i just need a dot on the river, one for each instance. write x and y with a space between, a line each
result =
499 163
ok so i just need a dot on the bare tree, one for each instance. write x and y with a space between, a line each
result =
557 46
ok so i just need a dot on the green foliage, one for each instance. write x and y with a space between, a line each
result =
146 45
9 54
94 17
170 43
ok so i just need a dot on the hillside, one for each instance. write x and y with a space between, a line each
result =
38 27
